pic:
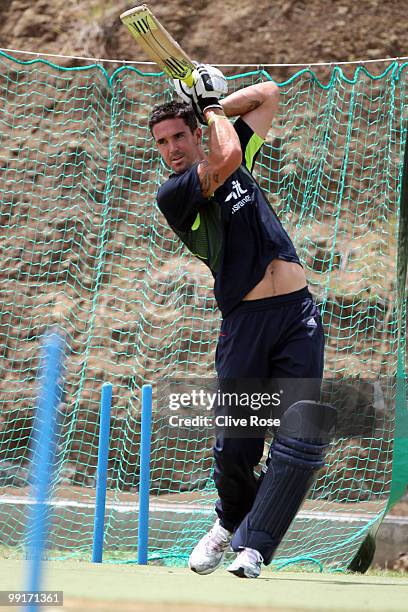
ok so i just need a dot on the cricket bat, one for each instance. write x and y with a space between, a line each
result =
159 45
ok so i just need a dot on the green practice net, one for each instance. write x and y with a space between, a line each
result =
84 246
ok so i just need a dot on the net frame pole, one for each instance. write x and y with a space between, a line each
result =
101 473
144 483
43 455
399 461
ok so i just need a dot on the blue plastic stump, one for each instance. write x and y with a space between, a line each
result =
144 485
43 455
101 473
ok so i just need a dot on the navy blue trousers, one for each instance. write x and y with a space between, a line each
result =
273 338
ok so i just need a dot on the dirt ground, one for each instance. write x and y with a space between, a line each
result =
265 32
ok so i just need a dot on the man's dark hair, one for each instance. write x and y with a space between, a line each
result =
173 110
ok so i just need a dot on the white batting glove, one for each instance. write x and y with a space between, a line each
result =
209 81
187 95
183 91
210 85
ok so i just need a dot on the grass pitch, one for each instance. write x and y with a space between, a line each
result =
117 588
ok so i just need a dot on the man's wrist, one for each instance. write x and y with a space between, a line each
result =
212 114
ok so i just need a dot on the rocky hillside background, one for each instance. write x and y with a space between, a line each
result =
72 165
234 31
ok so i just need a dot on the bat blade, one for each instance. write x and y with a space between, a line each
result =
159 45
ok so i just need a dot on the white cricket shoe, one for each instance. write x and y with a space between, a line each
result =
247 564
210 551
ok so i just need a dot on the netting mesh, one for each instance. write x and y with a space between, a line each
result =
84 246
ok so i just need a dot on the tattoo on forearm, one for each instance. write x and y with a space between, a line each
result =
205 178
206 182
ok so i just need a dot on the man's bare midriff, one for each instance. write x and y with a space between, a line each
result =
281 277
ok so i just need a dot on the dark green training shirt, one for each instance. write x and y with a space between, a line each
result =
235 232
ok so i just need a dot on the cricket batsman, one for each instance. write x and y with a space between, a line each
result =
271 327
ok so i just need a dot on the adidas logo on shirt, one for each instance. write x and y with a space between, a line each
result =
311 323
